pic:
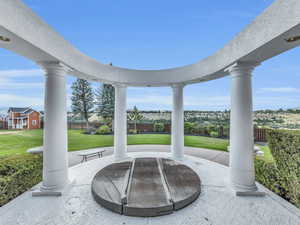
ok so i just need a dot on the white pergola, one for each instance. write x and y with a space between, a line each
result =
275 31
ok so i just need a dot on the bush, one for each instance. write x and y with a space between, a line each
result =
18 174
285 149
104 129
282 176
200 130
212 128
133 131
89 131
189 127
158 127
214 134
226 131
266 173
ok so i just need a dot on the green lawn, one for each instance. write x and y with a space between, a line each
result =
20 141
267 154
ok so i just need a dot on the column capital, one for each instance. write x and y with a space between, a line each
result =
54 67
178 85
242 68
119 85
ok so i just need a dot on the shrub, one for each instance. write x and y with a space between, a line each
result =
89 131
133 131
104 129
266 173
214 134
282 176
158 127
211 128
285 149
18 174
200 130
226 131
189 127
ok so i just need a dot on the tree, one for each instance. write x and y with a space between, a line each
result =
82 99
135 116
105 102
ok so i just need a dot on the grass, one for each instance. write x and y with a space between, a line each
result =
267 154
19 142
206 142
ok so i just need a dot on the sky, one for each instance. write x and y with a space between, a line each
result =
153 35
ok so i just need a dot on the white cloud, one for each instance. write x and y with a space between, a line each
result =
156 101
7 100
280 89
11 84
151 99
21 73
208 101
28 83
264 102
14 79
189 101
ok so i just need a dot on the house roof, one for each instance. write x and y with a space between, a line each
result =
20 110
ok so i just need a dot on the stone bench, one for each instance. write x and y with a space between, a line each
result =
91 153
256 150
36 150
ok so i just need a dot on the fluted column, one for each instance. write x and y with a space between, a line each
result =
242 173
120 122
55 155
177 139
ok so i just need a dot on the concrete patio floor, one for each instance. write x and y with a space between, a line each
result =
211 155
216 205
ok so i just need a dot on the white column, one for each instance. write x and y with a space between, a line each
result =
55 155
120 122
242 173
177 139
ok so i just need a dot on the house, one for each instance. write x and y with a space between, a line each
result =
23 118
3 122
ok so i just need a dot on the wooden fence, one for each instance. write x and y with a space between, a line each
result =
260 134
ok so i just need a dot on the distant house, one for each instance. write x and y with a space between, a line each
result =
23 118
3 122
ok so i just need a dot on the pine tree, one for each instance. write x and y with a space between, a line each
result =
82 99
135 116
105 102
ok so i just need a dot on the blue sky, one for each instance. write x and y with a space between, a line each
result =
153 35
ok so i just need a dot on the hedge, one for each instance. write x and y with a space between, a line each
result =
18 174
282 176
189 127
104 129
158 127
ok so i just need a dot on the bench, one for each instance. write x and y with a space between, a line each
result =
88 154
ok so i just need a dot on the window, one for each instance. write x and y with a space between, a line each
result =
33 122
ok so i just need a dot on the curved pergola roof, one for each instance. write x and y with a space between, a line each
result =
264 38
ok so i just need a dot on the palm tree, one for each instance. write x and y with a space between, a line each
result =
135 116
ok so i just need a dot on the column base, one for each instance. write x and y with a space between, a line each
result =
242 190
250 193
122 158
54 191
177 158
